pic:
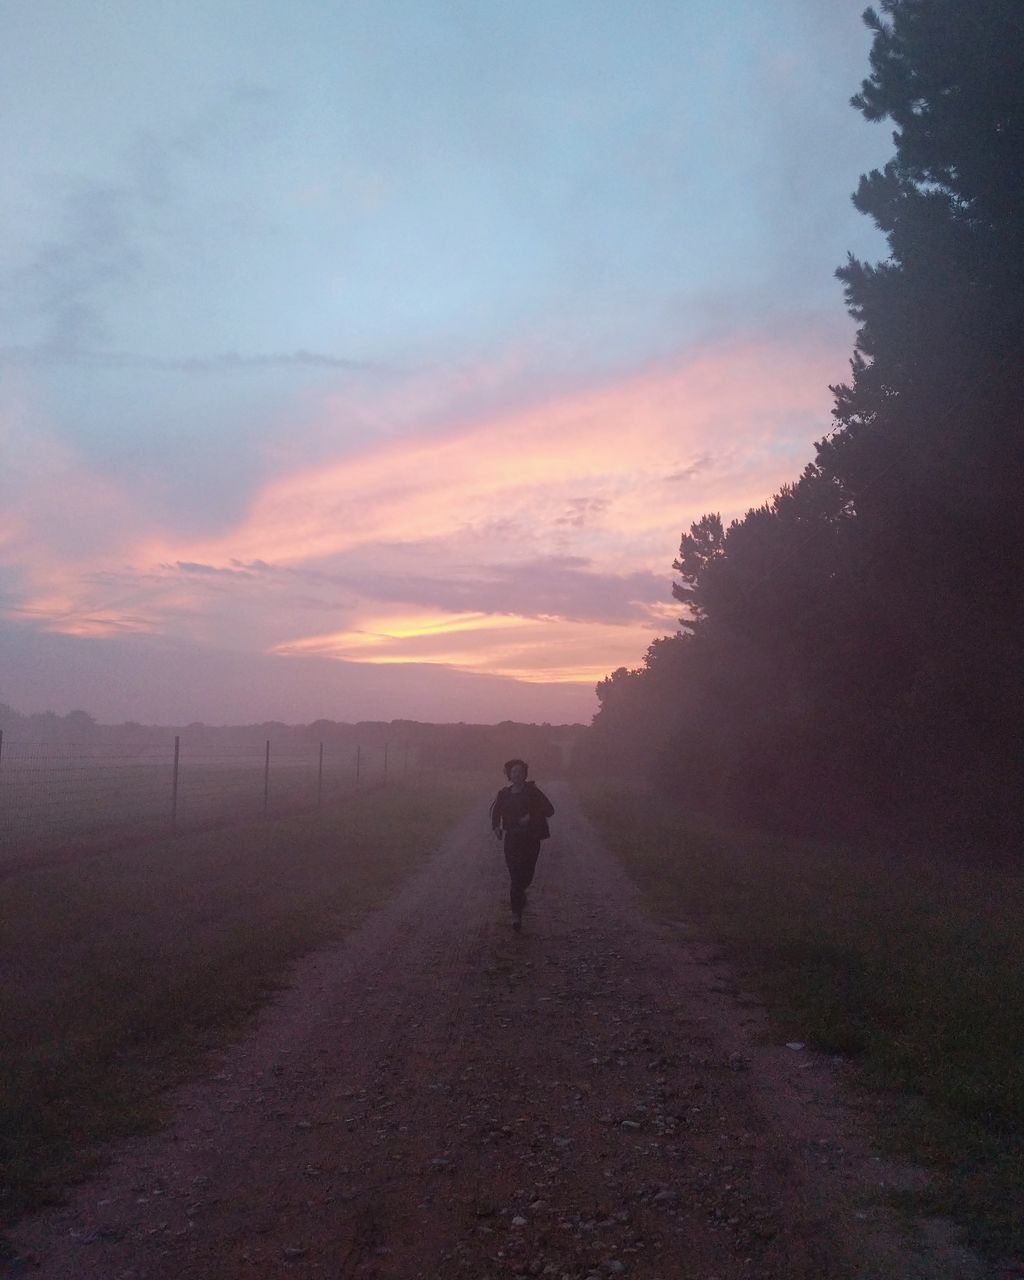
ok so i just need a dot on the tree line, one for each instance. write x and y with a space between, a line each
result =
550 748
850 653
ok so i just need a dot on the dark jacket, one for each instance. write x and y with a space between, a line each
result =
508 808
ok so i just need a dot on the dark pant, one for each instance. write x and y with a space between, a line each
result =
521 859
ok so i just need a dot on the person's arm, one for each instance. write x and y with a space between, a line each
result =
544 806
496 812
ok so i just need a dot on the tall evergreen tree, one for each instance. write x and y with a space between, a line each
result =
930 446
941 320
856 646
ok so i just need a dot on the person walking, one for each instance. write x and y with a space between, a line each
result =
519 817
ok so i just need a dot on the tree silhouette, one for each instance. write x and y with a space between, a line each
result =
852 650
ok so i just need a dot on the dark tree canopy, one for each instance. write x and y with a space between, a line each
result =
938 357
852 649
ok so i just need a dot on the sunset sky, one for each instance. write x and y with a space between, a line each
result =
365 361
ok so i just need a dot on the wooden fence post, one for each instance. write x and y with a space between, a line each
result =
174 786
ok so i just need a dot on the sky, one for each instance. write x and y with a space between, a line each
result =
369 361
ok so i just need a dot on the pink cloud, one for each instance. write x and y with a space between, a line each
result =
746 410
545 650
604 478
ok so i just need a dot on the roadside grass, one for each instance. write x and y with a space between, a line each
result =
911 967
118 971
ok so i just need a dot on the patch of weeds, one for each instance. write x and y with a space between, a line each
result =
823 989
908 965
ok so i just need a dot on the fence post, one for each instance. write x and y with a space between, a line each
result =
174 786
358 751
385 764
266 780
320 778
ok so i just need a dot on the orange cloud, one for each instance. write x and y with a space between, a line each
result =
609 476
544 650
620 442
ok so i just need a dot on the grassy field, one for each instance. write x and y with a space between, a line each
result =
55 797
119 969
912 967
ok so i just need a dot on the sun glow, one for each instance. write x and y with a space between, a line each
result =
538 650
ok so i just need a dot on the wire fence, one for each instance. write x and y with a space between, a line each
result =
61 793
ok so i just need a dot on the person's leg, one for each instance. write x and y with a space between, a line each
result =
528 864
521 860
514 862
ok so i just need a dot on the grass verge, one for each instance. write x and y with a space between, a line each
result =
912 967
120 970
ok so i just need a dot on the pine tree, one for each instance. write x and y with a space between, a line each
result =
930 445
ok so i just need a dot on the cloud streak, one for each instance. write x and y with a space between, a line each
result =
532 542
567 587
513 481
226 362
536 650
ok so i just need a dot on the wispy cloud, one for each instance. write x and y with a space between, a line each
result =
541 650
698 466
581 510
533 542
107 243
759 402
569 587
63 353
59 290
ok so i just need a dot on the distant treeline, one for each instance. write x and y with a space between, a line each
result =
852 652
550 749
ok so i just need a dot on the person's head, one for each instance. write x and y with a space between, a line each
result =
516 770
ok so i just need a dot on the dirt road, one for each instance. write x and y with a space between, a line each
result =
438 1097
